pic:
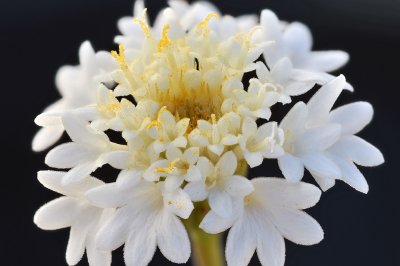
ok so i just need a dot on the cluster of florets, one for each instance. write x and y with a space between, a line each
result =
190 128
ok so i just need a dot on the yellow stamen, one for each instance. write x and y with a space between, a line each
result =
213 119
165 40
111 107
154 123
143 24
169 169
120 58
203 26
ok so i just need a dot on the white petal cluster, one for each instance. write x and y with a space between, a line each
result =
188 126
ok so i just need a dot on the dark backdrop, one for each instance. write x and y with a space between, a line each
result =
39 36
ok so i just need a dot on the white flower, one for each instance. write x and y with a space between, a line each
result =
285 80
77 85
255 102
270 213
182 17
73 210
88 151
219 184
259 143
294 41
322 141
173 112
167 132
143 221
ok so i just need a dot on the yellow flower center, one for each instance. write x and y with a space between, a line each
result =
186 73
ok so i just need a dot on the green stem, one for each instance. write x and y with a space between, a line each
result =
207 249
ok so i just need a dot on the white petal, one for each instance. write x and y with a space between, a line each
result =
173 240
239 186
353 117
78 173
270 244
56 214
296 118
298 38
328 61
173 153
68 155
80 132
140 247
119 159
320 165
322 101
317 138
173 182
95 256
324 182
191 155
53 180
205 166
128 179
241 243
196 190
50 118
193 174
358 150
278 192
77 241
221 203
351 175
282 70
298 227
227 164
254 159
179 203
46 137
215 224
106 196
114 233
249 127
292 167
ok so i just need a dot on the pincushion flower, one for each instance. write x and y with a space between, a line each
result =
172 112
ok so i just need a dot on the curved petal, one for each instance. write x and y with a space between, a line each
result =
327 61
227 164
68 155
298 227
196 190
173 240
279 192
140 247
46 137
106 196
57 214
292 167
320 165
241 243
321 103
358 151
215 224
220 202
353 117
270 245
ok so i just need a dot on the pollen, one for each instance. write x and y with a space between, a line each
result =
120 58
165 40
143 24
169 169
203 26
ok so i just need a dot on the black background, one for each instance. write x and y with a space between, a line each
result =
39 36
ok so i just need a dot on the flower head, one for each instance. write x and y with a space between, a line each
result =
172 111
